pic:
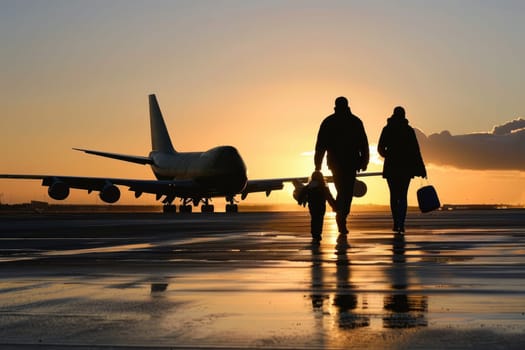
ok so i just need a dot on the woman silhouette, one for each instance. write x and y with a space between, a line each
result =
398 145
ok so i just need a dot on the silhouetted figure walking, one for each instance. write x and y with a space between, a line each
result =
316 193
398 145
342 136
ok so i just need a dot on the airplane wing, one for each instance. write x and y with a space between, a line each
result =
59 186
268 185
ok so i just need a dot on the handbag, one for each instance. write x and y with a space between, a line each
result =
427 199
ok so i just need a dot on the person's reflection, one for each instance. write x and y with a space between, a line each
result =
317 286
344 299
404 311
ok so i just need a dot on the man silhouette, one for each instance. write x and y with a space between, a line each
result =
343 137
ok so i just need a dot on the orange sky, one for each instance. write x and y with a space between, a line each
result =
259 76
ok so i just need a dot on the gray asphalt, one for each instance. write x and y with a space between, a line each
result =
254 280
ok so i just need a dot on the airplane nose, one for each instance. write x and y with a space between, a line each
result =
229 158
230 163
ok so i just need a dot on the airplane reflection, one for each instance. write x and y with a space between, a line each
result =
158 288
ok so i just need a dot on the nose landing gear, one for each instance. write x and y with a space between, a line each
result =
185 209
168 208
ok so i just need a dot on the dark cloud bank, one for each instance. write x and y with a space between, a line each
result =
501 149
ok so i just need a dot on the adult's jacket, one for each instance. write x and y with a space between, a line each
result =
398 145
342 136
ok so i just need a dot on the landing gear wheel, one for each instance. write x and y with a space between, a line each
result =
232 208
168 208
185 208
207 208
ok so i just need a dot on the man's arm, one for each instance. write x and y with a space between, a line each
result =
318 159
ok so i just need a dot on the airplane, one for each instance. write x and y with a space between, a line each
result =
193 177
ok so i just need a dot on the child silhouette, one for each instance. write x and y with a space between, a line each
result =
316 194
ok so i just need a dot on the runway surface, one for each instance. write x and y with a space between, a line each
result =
455 280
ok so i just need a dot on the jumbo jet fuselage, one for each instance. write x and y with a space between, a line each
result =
220 170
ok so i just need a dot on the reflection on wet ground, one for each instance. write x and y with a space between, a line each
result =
455 279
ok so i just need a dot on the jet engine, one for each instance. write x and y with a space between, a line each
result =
58 190
359 188
110 193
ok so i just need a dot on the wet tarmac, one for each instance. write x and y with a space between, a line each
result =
455 280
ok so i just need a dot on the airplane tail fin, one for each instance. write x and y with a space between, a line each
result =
160 138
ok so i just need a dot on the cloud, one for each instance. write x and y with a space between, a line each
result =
510 127
501 149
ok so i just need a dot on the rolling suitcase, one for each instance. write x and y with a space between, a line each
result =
427 199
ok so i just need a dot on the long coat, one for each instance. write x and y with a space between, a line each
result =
398 145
